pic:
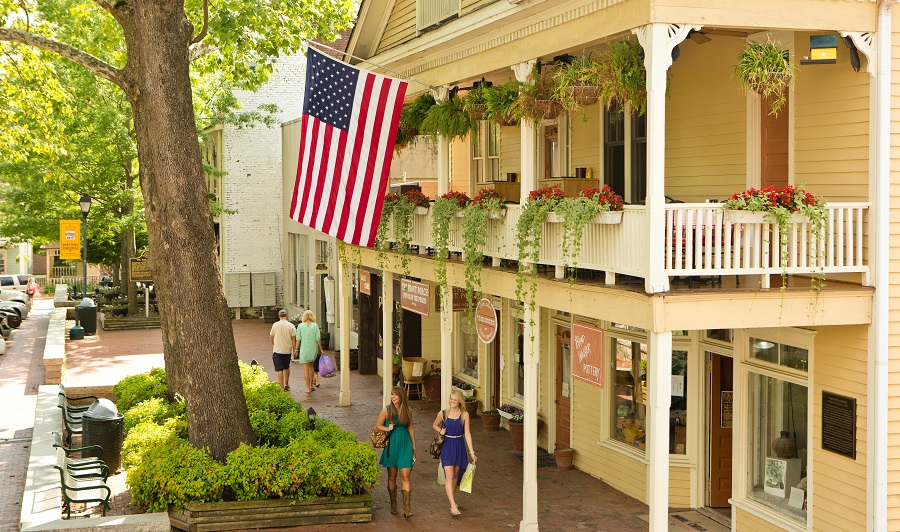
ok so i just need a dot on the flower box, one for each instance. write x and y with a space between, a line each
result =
505 415
609 217
759 217
555 218
421 211
498 214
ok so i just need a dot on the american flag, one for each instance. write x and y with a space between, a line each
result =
347 137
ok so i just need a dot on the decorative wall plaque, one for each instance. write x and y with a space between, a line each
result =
839 424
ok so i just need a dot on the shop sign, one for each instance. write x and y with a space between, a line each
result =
365 282
587 354
458 299
839 424
69 239
486 321
415 296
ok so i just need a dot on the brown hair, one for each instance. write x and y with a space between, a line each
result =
404 414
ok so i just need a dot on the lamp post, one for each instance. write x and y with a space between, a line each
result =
85 203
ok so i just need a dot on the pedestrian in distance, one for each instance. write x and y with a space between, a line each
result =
282 336
453 425
400 453
32 289
308 343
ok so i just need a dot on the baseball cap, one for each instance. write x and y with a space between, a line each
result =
282 312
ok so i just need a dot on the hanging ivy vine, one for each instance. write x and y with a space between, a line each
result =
400 209
528 239
474 231
443 211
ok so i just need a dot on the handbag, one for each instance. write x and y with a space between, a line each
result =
380 438
438 442
442 476
468 477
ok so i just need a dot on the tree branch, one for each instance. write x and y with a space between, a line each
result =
95 65
199 37
200 49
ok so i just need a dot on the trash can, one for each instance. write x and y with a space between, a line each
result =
86 314
102 425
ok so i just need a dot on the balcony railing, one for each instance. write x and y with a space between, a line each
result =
698 241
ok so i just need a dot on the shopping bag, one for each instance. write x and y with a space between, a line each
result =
466 482
326 366
441 478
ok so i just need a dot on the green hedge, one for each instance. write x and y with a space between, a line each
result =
164 469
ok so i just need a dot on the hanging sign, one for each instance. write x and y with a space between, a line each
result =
486 320
69 239
587 354
365 282
415 296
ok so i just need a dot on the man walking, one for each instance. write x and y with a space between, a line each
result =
282 336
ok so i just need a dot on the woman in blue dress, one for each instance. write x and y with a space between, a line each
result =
400 453
454 458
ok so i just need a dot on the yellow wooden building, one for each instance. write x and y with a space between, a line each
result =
716 382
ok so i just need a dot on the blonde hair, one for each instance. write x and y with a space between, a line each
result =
308 317
456 394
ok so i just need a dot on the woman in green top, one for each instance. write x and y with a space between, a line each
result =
308 343
400 454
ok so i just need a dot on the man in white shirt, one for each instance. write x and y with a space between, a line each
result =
282 336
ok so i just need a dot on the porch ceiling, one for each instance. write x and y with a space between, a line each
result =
727 307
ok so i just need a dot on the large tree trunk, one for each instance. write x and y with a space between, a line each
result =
200 356
128 245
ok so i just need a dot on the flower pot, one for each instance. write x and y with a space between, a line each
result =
477 112
472 407
555 218
517 433
609 217
503 121
491 422
585 94
546 109
467 393
564 458
421 211
498 214
432 384
759 217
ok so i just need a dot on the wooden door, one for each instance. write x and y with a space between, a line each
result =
370 348
774 146
721 416
563 388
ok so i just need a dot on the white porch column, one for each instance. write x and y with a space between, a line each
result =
443 147
344 318
446 346
657 41
659 378
526 128
387 333
532 356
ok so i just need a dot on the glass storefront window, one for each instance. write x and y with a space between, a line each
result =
678 410
630 393
518 363
721 335
466 346
779 445
783 355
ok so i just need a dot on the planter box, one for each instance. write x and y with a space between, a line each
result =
505 415
273 513
610 217
758 217
421 211
555 218
498 215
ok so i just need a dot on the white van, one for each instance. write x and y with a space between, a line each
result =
15 281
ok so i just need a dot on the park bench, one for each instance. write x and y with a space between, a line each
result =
80 489
88 464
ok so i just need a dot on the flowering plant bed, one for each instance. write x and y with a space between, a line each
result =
417 198
510 412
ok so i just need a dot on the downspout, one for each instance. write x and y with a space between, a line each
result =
881 276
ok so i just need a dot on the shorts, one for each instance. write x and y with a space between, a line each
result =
281 361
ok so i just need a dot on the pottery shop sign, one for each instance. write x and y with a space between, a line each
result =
365 282
415 296
587 354
486 321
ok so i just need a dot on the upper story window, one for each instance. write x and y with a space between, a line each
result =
625 152
486 152
431 12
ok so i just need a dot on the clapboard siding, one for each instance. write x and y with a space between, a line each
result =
510 152
401 25
585 143
459 166
680 487
893 429
747 522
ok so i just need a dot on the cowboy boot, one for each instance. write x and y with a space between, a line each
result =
407 511
393 494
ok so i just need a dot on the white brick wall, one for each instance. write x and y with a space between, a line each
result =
252 239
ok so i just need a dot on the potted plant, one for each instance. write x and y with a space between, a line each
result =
487 205
420 200
578 83
443 211
432 383
766 70
622 76
448 119
270 314
399 209
593 205
564 458
467 389
396 363
514 417
475 100
490 419
499 103
537 100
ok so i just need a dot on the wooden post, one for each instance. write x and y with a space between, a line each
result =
659 378
344 294
387 333
529 468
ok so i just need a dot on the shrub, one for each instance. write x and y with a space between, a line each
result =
344 470
254 377
270 398
137 388
148 435
155 409
175 473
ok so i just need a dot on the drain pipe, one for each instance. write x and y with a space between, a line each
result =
882 260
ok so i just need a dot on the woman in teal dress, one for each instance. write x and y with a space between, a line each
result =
400 453
308 345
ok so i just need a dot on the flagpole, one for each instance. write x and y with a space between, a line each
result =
318 44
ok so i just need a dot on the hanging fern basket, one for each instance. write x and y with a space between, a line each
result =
585 94
544 109
478 112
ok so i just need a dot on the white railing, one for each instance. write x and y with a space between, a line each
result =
430 12
698 240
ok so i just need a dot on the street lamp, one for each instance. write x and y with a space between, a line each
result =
85 203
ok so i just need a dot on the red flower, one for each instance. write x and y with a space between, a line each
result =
417 198
461 199
546 194
487 194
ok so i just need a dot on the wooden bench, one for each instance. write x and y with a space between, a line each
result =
80 489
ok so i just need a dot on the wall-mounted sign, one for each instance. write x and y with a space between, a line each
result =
138 272
587 354
365 282
415 296
486 320
839 424
69 239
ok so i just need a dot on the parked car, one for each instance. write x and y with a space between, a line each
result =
5 329
14 281
12 318
2 346
19 308
13 295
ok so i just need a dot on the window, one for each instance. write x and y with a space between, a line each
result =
720 335
486 152
783 355
297 287
630 392
466 346
678 420
618 171
518 363
614 148
638 191
779 445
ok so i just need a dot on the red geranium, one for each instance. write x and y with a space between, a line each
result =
486 194
604 196
553 192
461 199
417 198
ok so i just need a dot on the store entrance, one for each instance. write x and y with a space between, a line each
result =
721 403
563 387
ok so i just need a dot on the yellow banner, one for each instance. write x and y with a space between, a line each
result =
69 239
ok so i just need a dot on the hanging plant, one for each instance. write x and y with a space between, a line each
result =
577 83
474 233
766 70
475 101
622 76
528 238
411 118
443 211
537 100
400 209
499 103
448 119
579 212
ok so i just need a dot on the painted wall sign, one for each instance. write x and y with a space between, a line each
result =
587 351
486 320
839 424
365 282
69 239
458 299
415 296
